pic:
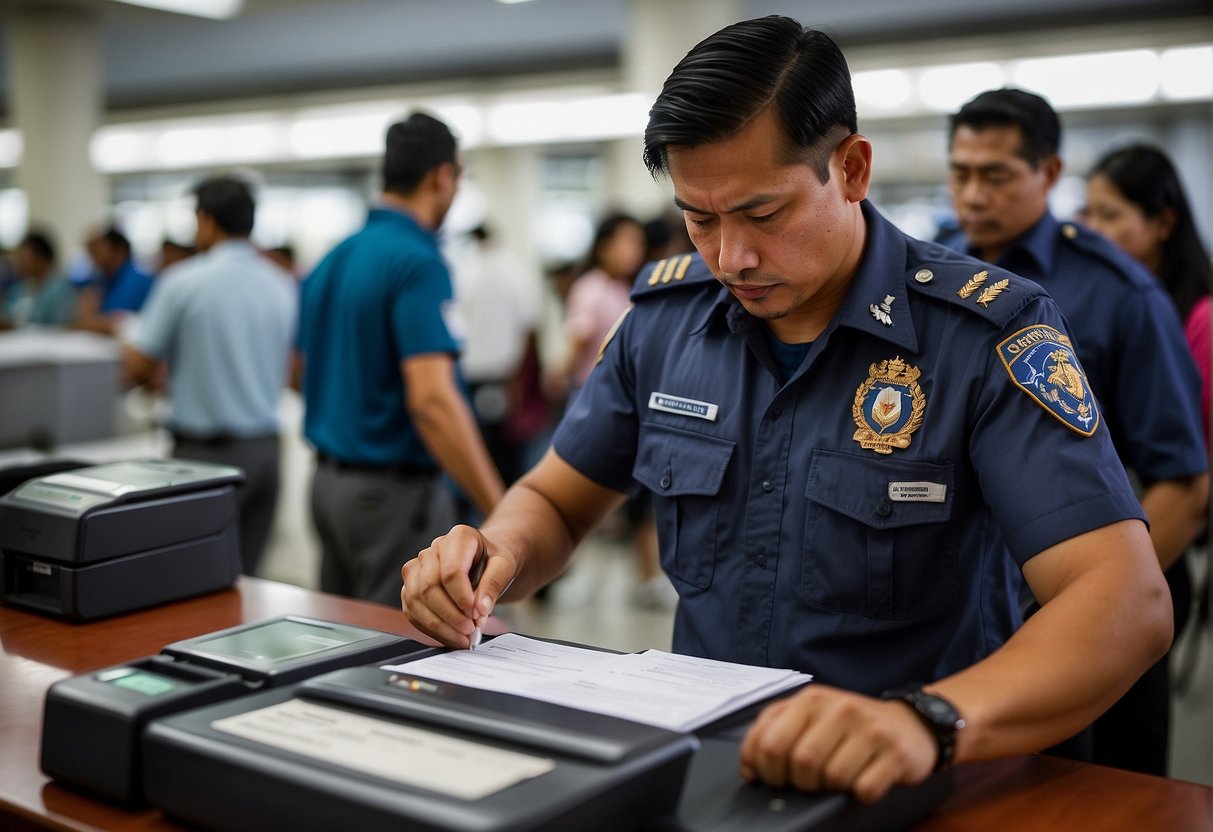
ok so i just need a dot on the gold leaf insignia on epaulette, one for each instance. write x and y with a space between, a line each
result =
992 291
655 277
973 282
611 334
681 272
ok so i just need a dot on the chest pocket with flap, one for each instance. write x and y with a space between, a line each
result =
684 471
871 555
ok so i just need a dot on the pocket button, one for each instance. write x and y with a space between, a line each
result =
884 508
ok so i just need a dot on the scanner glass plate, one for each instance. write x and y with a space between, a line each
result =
280 641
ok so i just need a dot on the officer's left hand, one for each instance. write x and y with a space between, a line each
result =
825 738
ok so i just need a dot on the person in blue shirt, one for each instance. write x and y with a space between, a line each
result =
1003 160
377 350
223 321
119 288
855 441
42 295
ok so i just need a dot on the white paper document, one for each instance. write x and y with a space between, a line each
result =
680 693
415 757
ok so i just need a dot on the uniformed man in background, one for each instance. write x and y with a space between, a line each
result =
1003 161
855 441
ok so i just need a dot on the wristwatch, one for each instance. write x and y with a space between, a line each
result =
938 714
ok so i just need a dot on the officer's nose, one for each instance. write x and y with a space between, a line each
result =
973 193
736 252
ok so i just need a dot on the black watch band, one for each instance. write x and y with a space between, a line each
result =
938 714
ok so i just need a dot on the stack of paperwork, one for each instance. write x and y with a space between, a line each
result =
679 693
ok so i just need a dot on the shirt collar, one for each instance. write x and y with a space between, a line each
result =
881 275
388 213
1032 254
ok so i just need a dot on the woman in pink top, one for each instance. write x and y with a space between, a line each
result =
600 296
1135 199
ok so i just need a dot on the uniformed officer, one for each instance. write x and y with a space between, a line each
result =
854 440
1003 157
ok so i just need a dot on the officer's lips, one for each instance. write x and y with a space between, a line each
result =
751 291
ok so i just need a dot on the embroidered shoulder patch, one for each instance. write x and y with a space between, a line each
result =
1042 363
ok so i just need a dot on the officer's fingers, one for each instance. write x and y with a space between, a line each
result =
833 730
426 598
849 758
765 749
422 616
881 773
458 551
499 572
749 744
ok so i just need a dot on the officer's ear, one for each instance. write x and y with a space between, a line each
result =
1051 166
852 163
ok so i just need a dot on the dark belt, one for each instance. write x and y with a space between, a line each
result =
398 469
217 439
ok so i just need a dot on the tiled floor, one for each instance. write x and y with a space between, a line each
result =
591 603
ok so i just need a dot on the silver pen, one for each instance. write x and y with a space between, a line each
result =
475 575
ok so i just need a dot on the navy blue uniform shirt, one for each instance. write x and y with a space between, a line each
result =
1130 341
864 521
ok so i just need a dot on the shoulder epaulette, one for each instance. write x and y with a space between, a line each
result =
993 293
1089 242
679 270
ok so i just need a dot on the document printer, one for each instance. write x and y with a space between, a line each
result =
106 539
372 749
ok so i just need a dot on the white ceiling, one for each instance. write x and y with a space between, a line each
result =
279 47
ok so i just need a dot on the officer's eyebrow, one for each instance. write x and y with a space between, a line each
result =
752 202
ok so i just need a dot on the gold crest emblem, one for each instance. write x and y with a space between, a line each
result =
888 406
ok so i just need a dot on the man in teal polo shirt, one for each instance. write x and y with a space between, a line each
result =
377 346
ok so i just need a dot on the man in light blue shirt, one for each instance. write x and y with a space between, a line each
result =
223 322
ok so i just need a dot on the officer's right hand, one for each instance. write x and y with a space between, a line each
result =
438 597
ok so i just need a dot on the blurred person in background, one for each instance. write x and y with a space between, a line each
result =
597 301
223 322
498 302
1136 200
42 295
172 253
118 288
284 257
376 357
1003 162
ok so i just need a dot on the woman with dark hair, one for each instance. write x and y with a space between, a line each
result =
1135 199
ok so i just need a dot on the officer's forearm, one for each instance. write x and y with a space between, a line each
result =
542 519
1105 618
1177 509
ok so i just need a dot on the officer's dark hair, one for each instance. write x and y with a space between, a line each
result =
732 76
1145 176
39 242
415 146
1039 127
229 202
606 229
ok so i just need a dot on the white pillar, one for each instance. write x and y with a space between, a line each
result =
658 33
55 78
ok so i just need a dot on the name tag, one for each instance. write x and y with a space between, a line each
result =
683 407
917 492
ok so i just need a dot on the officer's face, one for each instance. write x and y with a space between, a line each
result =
784 244
997 193
1124 223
